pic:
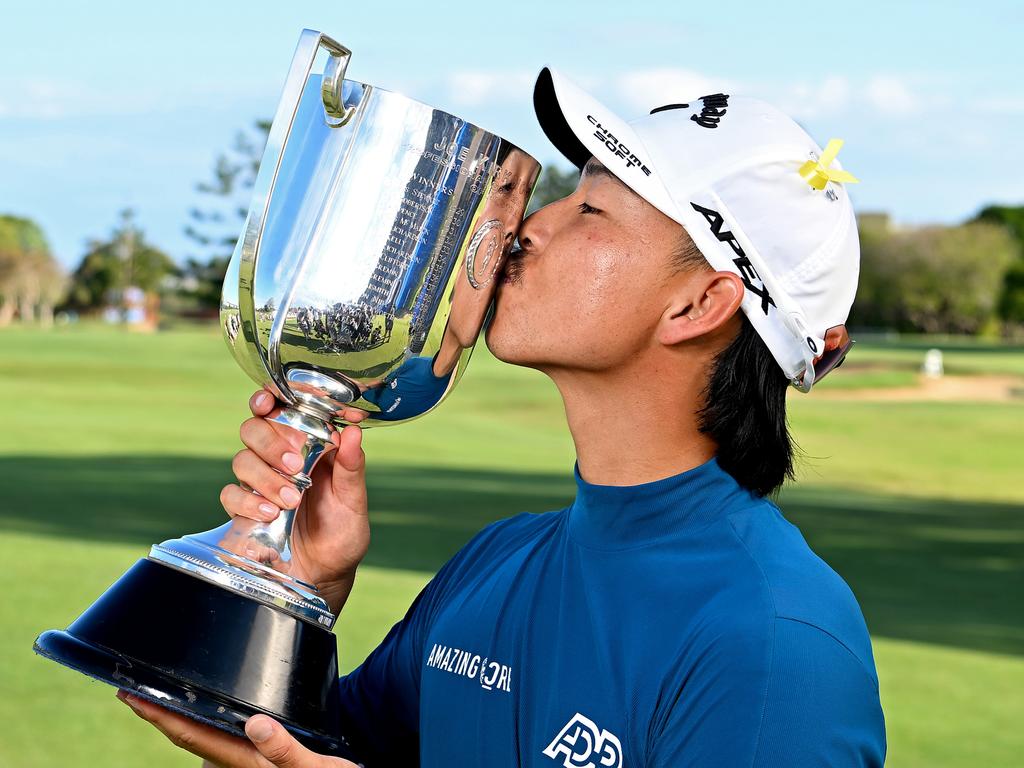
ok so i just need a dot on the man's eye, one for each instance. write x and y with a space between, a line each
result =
584 208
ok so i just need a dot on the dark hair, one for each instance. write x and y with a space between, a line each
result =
744 408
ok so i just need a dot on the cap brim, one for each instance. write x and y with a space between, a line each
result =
553 123
580 127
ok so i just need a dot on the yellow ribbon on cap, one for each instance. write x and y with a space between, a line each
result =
817 172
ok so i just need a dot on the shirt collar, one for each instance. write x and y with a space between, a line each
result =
623 516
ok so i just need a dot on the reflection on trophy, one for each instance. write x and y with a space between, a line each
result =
361 281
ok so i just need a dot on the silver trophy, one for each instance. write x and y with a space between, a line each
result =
363 277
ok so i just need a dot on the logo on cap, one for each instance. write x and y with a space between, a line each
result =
714 108
742 262
666 107
618 149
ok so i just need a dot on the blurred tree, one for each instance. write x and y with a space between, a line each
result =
1011 303
933 279
110 266
878 291
215 228
954 276
200 283
554 184
1010 216
31 281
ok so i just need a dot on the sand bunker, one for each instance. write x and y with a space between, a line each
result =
989 389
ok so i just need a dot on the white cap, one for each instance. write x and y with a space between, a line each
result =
753 190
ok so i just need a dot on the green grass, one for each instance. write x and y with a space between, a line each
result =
858 376
960 355
112 441
877 362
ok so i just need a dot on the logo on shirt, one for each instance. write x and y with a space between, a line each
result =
491 674
580 744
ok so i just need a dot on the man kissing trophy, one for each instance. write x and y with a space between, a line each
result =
355 294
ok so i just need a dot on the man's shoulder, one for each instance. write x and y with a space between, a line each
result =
496 540
799 585
511 532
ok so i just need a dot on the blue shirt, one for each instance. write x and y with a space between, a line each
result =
682 622
411 390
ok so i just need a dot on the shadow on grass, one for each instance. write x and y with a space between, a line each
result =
928 570
420 515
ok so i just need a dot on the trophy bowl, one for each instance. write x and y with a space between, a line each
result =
363 276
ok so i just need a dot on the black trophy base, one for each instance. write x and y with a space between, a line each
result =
207 652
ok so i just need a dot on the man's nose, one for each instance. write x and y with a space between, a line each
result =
532 232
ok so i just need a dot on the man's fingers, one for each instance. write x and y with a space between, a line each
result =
277 745
282 750
203 740
349 476
277 447
261 403
350 450
261 477
238 501
353 415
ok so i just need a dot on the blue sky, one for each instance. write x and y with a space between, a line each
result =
105 105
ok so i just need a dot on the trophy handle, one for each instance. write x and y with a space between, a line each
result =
247 251
333 80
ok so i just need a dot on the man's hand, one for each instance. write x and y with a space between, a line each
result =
269 745
332 530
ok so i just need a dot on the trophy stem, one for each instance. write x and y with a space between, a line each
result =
270 543
255 557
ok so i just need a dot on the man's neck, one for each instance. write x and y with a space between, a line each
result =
632 429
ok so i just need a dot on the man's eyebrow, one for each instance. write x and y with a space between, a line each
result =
594 167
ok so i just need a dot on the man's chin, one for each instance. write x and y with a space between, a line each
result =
507 339
498 345
491 341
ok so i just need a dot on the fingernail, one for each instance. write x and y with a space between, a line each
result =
261 398
268 509
292 461
259 730
130 701
290 496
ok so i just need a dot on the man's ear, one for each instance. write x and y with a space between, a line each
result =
703 302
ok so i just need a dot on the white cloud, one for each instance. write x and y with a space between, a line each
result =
1001 105
635 92
34 99
476 87
54 100
891 95
810 100
834 92
830 96
644 89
